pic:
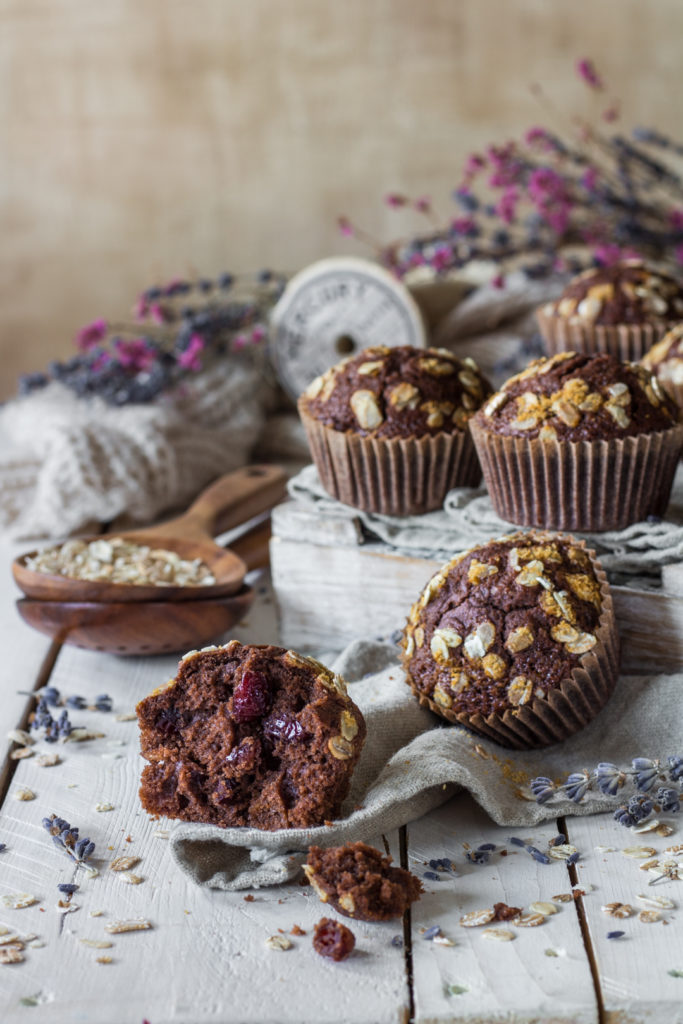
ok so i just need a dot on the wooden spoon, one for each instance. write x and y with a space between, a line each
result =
231 500
148 627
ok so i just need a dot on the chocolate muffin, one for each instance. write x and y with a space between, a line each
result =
360 882
579 442
388 429
622 309
515 639
665 361
249 735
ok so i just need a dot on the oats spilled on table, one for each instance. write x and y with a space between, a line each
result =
116 560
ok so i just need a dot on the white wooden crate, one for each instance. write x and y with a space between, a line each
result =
333 587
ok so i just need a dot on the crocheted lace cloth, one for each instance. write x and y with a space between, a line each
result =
66 462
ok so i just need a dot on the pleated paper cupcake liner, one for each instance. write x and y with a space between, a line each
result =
393 476
566 708
628 342
589 486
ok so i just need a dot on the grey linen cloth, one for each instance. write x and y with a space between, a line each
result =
467 518
411 763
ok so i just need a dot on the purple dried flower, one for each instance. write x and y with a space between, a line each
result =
431 875
640 807
537 854
608 778
586 70
542 788
615 935
395 200
675 768
577 785
645 771
668 799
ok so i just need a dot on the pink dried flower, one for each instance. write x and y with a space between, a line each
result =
536 135
498 281
676 219
423 204
586 70
239 342
190 358
257 334
606 254
91 334
394 199
678 253
140 308
416 260
441 258
156 313
506 207
473 165
134 354
345 226
589 179
461 225
611 114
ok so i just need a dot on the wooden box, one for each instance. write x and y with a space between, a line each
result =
333 585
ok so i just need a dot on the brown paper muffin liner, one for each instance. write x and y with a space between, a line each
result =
628 342
393 476
589 486
566 708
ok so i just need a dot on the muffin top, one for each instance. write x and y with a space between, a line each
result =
579 397
503 623
397 392
665 359
629 292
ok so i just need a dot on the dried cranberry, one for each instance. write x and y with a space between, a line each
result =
332 939
284 728
252 697
167 722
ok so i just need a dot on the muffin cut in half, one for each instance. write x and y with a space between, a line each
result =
249 735
360 882
515 639
579 442
388 429
622 310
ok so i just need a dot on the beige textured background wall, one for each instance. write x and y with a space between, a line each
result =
144 138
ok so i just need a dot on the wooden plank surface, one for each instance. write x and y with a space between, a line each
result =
636 983
542 974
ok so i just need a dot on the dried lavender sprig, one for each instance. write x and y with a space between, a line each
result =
67 838
609 779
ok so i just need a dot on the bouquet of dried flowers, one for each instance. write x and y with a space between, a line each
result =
553 202
176 330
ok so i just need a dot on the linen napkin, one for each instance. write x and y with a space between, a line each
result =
412 762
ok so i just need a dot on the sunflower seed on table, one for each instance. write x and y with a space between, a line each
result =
21 737
96 943
11 954
24 794
48 760
475 918
499 934
136 925
130 878
19 753
530 920
639 852
542 907
123 863
280 942
18 900
662 902
617 909
649 916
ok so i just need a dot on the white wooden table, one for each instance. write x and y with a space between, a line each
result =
205 958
